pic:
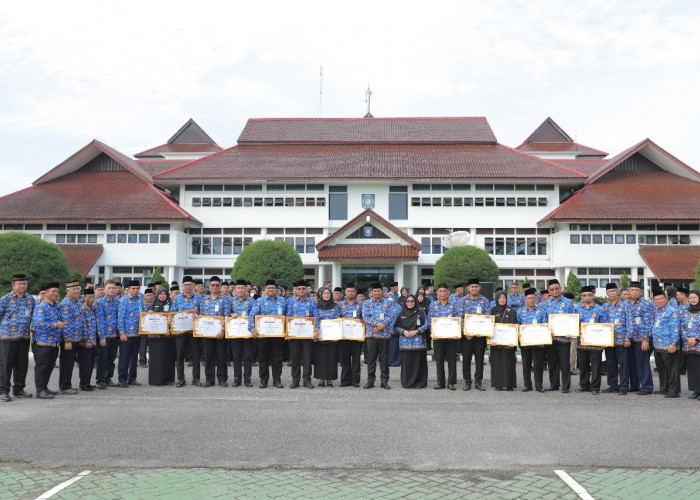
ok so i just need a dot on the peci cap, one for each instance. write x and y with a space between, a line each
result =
611 286
530 291
588 288
19 277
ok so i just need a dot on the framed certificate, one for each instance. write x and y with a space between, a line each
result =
598 334
505 334
207 326
331 329
479 325
237 328
153 323
353 329
564 325
535 335
183 321
448 327
269 326
300 328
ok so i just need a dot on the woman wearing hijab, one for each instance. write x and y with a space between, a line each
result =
411 325
161 362
326 352
690 330
402 295
503 357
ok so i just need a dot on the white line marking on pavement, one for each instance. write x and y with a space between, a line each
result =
63 485
578 489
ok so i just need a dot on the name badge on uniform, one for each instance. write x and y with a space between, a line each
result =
478 310
381 316
279 310
216 308
638 320
418 322
658 323
354 313
534 321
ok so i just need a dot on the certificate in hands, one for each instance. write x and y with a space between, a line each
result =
448 327
237 328
300 328
331 329
535 335
207 326
269 326
353 329
479 325
153 323
505 334
598 334
564 325
182 321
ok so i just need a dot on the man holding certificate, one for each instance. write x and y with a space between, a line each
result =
270 347
642 315
186 301
445 342
532 354
130 307
241 348
475 346
666 333
300 349
559 352
215 362
620 315
350 350
378 314
589 357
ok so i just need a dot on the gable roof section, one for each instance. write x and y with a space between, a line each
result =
190 138
81 257
190 133
676 262
155 166
458 130
82 157
361 219
549 131
560 147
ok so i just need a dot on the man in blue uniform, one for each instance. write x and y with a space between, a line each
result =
589 357
350 350
215 363
474 303
300 350
72 335
241 304
642 315
186 301
532 314
515 299
444 348
48 329
16 309
558 354
377 313
616 357
107 312
130 308
665 332
270 349
87 346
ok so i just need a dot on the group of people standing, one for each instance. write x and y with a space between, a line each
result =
100 323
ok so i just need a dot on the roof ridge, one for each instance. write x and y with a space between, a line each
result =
193 161
550 162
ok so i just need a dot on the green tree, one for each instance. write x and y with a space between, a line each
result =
158 276
573 285
265 259
459 264
697 277
624 280
41 261
76 275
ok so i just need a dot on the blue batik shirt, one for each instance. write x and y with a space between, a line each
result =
302 308
690 328
515 300
535 316
417 342
451 309
16 316
621 316
347 310
107 312
89 324
642 315
184 303
209 306
479 305
266 306
594 314
71 313
241 307
130 314
378 311
561 306
45 315
666 327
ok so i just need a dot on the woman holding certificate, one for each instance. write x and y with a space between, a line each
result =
161 361
690 330
326 352
411 325
503 356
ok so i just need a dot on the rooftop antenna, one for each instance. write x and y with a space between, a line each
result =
368 100
320 93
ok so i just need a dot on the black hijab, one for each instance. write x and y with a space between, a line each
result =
325 304
423 306
410 317
499 309
691 308
159 305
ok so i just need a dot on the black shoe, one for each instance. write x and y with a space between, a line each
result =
87 388
5 397
369 385
123 385
329 384
225 384
294 384
660 392
236 382
565 391
308 384
451 387
438 387
53 393
609 390
539 389
278 384
345 384
693 395
197 383
356 385
189 364
180 383
467 386
135 383
322 383
111 384
509 389
622 392
581 389
551 389
385 385
526 389
21 394
499 388
671 395
208 384
573 372
263 384
44 395
643 393
248 383
102 386
143 365
479 386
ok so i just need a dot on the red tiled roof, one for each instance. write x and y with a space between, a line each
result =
92 196
81 257
179 148
369 161
646 196
360 217
392 251
584 165
549 131
155 166
457 130
558 147
671 262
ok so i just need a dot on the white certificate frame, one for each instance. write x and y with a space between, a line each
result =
446 327
505 334
270 322
200 320
330 330
599 329
294 322
472 320
234 325
181 314
564 321
541 329
144 317
351 325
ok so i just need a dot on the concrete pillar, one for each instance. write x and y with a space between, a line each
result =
321 275
414 281
398 273
337 276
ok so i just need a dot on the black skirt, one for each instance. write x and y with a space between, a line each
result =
161 361
503 367
326 360
692 366
414 369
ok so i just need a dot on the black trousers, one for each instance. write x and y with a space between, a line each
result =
533 363
447 349
241 350
300 352
44 362
105 359
215 365
66 359
618 366
128 359
270 356
195 356
86 362
589 362
476 346
14 360
182 341
350 352
377 348
142 349
558 364
669 368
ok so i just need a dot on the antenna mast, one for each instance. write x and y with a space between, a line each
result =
368 100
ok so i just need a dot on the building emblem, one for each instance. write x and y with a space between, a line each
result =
368 201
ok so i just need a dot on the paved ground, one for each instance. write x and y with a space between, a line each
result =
346 442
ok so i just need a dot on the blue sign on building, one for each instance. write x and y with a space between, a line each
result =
368 231
368 201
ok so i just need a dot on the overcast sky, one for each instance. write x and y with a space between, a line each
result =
610 73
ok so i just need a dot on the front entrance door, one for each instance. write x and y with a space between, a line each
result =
363 277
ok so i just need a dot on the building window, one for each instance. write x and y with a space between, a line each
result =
398 206
111 238
337 206
574 239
